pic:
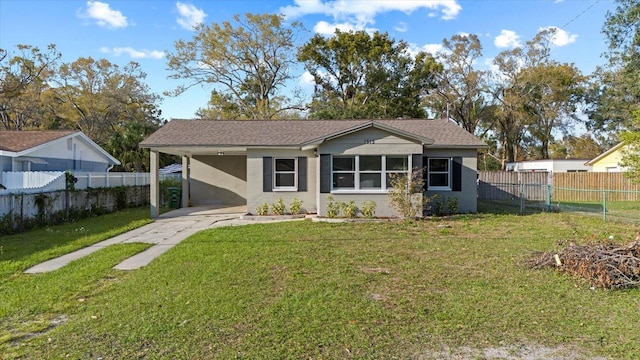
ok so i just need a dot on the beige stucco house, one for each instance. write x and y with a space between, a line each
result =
608 161
253 162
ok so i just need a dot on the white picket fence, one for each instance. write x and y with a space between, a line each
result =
31 182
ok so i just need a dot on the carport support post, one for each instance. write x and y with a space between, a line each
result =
185 182
154 180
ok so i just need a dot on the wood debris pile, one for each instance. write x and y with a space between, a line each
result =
605 265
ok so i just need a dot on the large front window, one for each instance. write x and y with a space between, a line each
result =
367 172
284 174
439 173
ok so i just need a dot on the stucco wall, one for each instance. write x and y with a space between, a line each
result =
218 180
255 195
369 141
467 197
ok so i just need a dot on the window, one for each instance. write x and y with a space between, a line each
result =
439 173
370 172
284 174
396 165
344 172
366 172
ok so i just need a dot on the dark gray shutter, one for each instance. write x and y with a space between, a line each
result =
457 174
267 174
325 173
425 172
302 173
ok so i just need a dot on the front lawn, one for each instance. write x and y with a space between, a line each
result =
438 288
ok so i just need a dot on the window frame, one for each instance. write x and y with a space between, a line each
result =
383 172
449 174
294 172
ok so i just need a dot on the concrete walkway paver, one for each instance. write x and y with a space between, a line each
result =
164 233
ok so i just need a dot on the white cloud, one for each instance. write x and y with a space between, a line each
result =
133 53
507 39
401 27
361 14
560 37
306 81
324 28
104 15
432 49
189 16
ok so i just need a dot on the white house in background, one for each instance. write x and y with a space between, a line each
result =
52 151
609 161
550 165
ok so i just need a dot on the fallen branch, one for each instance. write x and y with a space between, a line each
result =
605 265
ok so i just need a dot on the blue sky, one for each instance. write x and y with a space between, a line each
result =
145 30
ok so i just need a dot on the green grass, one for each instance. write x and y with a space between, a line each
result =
317 290
29 303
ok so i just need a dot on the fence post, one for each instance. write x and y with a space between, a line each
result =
521 198
604 205
549 198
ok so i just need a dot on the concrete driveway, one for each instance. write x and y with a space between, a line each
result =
164 233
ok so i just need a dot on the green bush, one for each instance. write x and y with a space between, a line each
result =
333 207
295 206
452 204
349 209
263 209
368 209
279 208
405 191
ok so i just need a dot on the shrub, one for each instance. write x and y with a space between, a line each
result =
279 208
263 209
349 209
333 207
452 204
295 206
404 191
368 209
438 205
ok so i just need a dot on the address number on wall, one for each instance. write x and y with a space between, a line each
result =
369 141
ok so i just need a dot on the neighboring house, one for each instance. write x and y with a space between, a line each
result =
609 161
52 151
253 162
549 165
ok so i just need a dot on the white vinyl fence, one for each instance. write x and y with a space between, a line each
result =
32 182
98 180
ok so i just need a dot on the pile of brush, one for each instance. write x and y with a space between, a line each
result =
605 264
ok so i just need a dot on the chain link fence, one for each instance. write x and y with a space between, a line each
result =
527 198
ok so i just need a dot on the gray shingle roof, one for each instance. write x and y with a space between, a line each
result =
17 141
177 132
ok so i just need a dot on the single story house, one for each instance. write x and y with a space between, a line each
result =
52 151
609 161
252 162
549 165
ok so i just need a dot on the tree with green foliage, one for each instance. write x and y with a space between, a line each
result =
620 99
358 75
248 61
23 81
461 93
535 97
575 147
100 98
